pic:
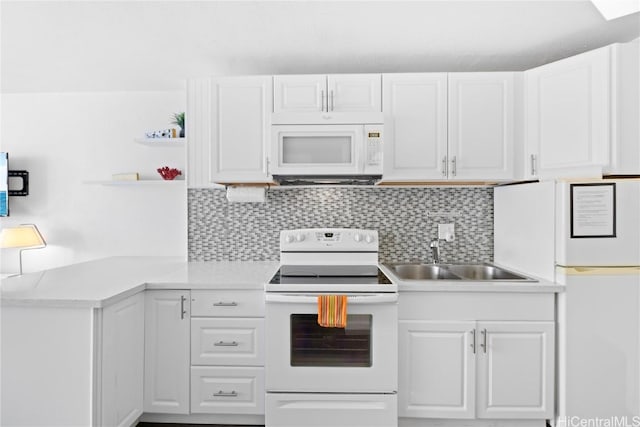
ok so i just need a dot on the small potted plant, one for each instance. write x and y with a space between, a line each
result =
178 119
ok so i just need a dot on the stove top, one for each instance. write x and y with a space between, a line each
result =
330 278
329 260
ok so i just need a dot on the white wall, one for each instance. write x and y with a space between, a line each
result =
64 139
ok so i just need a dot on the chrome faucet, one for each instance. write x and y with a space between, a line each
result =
435 250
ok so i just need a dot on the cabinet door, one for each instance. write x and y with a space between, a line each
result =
166 386
436 369
122 361
415 117
515 370
241 126
568 114
481 133
300 94
354 93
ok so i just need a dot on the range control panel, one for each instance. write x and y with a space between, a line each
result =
329 239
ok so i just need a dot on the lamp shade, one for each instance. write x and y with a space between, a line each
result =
24 236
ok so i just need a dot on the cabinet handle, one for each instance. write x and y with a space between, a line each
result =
222 393
226 344
322 100
332 104
533 164
484 341
225 304
182 310
473 341
444 166
453 166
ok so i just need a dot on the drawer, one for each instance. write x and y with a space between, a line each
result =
335 410
227 303
226 390
229 342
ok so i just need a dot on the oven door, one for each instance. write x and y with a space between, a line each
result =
317 150
305 357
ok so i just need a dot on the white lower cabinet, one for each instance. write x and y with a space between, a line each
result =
166 386
515 370
227 352
476 369
122 362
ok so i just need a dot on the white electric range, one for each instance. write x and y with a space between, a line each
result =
318 376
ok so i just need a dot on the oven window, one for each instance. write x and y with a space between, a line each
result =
313 345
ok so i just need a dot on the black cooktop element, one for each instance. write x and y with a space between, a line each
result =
330 274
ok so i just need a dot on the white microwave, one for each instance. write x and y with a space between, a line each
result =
326 150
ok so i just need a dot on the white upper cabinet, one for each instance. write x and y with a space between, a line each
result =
625 129
240 129
355 93
448 126
317 93
481 133
568 116
415 121
299 94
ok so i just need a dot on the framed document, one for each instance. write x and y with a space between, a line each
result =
593 210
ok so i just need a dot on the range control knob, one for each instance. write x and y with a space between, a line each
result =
357 237
289 238
299 237
369 238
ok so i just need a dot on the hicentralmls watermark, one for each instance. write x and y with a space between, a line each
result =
622 421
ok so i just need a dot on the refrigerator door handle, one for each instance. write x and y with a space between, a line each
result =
600 271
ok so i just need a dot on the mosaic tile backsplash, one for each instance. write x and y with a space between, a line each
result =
406 219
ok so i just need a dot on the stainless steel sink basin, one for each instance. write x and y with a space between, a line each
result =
466 272
484 272
422 272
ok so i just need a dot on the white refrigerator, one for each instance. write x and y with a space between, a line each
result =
586 236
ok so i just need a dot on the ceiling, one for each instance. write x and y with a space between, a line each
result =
68 46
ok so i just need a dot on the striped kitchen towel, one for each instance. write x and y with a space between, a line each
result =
332 311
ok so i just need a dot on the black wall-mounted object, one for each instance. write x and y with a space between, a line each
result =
24 176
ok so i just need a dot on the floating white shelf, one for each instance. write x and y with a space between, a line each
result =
141 182
162 142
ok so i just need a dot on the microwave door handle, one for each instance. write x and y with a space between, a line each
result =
313 299
360 148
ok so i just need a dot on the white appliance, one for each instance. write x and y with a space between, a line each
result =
326 151
586 236
339 377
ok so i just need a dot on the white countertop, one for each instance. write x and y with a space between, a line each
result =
105 281
102 282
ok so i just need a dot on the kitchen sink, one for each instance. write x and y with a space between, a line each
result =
466 272
422 272
484 272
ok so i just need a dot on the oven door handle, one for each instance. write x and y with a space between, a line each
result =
351 299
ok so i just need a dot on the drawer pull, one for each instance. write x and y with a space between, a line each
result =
221 393
226 344
225 304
